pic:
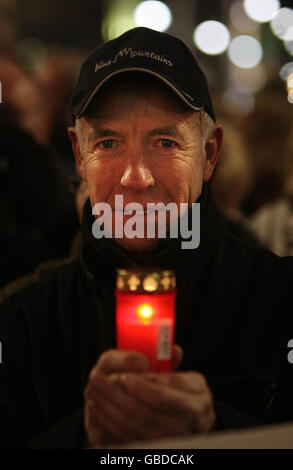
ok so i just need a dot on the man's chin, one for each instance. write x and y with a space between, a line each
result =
137 246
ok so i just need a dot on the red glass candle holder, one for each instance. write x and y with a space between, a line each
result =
145 314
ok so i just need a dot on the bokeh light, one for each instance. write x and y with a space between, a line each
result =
261 10
211 37
282 24
289 47
290 88
245 52
286 70
290 82
117 19
153 14
115 29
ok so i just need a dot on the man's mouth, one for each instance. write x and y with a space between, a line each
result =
149 210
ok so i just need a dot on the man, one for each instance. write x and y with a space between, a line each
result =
145 129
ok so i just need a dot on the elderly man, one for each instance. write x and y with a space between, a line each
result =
144 128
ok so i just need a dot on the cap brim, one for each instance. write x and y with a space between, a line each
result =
184 96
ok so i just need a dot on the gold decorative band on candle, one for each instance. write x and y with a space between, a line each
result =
148 280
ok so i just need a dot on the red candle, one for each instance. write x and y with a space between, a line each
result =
145 314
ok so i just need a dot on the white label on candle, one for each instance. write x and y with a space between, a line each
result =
164 339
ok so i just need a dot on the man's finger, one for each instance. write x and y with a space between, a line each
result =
192 382
165 398
123 416
195 409
114 360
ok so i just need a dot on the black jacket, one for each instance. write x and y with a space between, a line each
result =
233 321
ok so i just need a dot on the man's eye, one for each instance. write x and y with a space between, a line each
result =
107 144
166 143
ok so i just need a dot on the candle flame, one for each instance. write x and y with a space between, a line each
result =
145 311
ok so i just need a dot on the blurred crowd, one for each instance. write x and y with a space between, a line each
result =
38 183
253 183
41 197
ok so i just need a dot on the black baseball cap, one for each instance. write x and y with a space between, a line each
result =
142 49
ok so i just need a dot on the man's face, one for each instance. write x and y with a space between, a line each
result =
148 148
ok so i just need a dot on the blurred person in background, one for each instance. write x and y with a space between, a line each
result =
30 107
272 224
45 270
233 178
56 74
232 182
38 218
266 130
28 201
37 214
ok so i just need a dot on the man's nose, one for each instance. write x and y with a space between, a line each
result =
137 175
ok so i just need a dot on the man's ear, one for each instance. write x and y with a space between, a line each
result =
72 133
212 151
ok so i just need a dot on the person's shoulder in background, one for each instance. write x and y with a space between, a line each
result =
43 272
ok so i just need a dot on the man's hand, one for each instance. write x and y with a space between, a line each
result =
125 403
